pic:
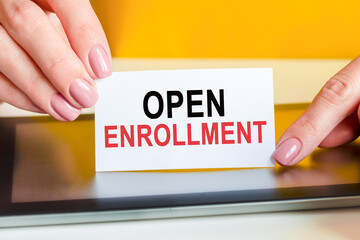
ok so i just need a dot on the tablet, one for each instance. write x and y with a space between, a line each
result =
47 176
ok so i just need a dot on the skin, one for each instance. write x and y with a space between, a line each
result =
332 119
44 46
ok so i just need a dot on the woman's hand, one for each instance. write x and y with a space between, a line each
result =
50 52
332 118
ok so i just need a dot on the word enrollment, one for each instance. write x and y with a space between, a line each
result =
143 135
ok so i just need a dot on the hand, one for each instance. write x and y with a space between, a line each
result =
332 119
50 52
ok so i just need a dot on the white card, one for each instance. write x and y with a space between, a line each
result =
185 119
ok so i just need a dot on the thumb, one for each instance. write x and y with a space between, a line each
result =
338 99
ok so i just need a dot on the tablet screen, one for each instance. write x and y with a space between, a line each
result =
49 166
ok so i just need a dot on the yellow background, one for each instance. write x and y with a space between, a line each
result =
231 28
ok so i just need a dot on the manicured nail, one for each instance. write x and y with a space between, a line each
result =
64 108
287 151
100 62
85 94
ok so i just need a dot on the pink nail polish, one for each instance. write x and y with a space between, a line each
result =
287 151
85 94
64 108
100 62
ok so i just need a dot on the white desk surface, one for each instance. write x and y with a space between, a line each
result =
294 81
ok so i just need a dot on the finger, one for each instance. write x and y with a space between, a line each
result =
14 96
44 4
55 21
86 35
28 24
345 132
16 65
335 101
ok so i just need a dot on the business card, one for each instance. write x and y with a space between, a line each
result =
185 119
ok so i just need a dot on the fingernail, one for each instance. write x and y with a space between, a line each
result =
100 62
287 151
85 94
64 108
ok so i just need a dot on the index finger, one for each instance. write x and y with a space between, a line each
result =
338 99
85 35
